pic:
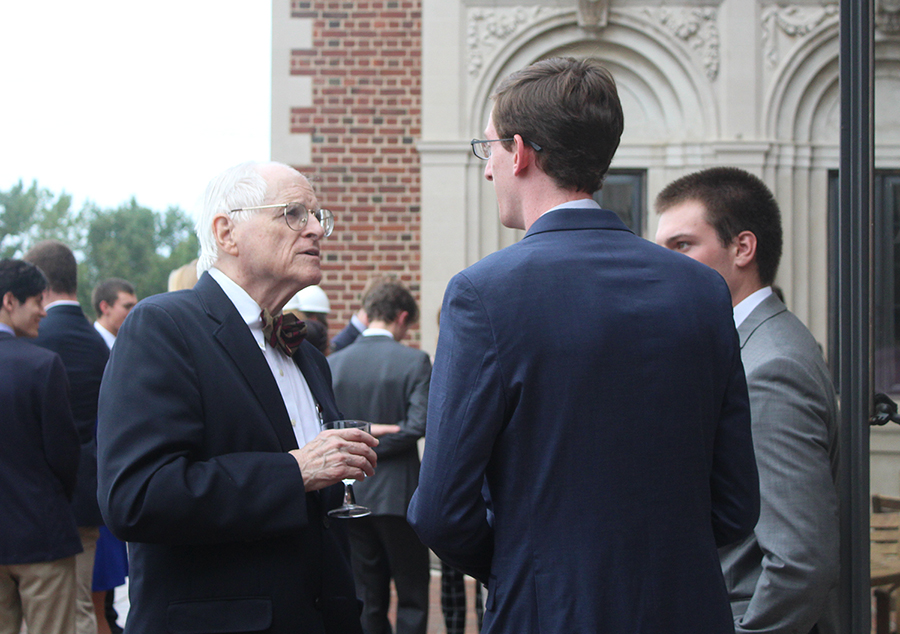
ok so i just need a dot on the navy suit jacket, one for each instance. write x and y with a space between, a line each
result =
194 473
593 380
66 331
39 453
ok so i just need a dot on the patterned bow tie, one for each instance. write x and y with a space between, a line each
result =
284 332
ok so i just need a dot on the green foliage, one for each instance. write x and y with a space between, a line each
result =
130 241
34 214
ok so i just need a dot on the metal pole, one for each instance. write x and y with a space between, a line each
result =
854 292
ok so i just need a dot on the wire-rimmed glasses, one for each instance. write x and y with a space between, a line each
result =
296 215
482 147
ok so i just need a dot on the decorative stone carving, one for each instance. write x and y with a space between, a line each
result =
793 22
697 27
593 14
488 28
887 16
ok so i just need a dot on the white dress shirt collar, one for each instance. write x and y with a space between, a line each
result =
746 306
108 337
377 332
7 328
62 302
246 305
581 203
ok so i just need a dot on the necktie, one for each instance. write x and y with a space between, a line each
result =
284 332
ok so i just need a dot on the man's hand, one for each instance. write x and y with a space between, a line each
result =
336 454
380 429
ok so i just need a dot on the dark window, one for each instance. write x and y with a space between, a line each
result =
885 277
624 192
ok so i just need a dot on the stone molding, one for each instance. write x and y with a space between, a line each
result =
795 22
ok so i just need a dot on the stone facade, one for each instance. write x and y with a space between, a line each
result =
751 83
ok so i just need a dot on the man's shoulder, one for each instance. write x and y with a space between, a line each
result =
16 352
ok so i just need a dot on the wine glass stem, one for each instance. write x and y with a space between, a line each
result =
349 499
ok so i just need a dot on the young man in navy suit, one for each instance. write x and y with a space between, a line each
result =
66 331
38 465
586 472
212 464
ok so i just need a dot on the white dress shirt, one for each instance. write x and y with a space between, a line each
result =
746 306
295 392
108 337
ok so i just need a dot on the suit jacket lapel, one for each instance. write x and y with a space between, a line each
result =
235 338
320 389
767 309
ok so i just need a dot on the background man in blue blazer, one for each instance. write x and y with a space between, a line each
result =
211 460
611 434
38 463
783 577
66 331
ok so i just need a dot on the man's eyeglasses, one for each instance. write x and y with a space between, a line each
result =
482 147
296 215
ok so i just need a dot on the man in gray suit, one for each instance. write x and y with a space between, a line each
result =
783 577
379 380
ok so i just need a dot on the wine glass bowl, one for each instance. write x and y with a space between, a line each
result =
349 508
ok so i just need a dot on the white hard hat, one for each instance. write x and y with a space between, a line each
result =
311 299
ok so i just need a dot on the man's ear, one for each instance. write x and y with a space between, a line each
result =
104 306
524 155
745 248
223 232
9 302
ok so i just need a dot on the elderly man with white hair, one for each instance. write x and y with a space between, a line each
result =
211 459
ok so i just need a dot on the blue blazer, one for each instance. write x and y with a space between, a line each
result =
66 331
38 456
593 381
194 473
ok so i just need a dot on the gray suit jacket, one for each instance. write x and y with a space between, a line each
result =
382 381
783 578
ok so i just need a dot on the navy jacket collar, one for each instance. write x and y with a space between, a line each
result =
573 219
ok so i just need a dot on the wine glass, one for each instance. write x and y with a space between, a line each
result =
350 508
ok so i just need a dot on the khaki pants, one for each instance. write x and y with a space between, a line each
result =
43 594
85 618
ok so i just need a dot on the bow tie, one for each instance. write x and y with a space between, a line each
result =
284 332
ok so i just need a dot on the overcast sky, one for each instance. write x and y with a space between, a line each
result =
109 99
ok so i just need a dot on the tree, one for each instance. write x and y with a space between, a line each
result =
130 241
137 244
30 215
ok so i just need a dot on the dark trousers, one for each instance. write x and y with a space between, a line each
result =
384 547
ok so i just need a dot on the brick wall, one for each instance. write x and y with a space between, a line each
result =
365 119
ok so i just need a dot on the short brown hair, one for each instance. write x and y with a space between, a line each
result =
571 109
387 299
57 262
734 201
108 291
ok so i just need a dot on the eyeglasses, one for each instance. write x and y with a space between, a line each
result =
482 147
296 215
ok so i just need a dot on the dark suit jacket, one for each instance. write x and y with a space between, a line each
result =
194 472
382 381
783 577
594 379
66 331
39 452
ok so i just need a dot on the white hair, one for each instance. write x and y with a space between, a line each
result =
236 187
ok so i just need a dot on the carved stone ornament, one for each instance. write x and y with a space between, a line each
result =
697 27
593 14
887 16
793 22
488 28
